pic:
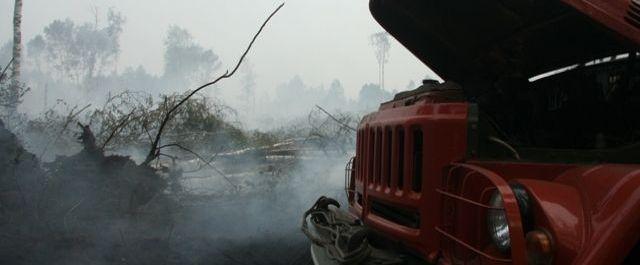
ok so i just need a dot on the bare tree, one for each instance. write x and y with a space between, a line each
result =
381 44
17 40
154 151
15 86
11 92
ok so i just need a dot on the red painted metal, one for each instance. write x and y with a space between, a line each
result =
591 211
432 196
451 195
476 178
558 209
477 251
442 144
611 13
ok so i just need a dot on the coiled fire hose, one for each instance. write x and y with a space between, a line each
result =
344 240
343 237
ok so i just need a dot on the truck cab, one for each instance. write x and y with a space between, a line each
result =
528 153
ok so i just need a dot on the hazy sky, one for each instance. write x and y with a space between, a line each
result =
317 39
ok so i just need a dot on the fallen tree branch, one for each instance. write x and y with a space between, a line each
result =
153 152
173 158
335 119
203 160
146 130
117 130
200 167
4 71
68 121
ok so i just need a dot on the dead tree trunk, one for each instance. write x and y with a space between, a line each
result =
17 39
17 52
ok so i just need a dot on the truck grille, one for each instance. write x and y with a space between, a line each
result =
384 157
633 15
401 216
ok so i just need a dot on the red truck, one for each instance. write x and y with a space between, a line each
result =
529 153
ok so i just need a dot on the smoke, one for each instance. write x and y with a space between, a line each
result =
245 211
243 208
251 159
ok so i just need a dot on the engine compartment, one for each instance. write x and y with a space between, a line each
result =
587 112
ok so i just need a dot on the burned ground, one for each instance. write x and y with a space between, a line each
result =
92 208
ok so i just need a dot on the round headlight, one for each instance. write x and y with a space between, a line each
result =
497 223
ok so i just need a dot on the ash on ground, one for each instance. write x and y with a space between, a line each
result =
243 207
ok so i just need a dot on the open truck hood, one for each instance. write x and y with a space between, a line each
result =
473 41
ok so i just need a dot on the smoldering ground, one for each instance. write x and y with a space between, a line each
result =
262 226
91 208
75 185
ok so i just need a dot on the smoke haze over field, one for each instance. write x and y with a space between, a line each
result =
227 180
318 40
